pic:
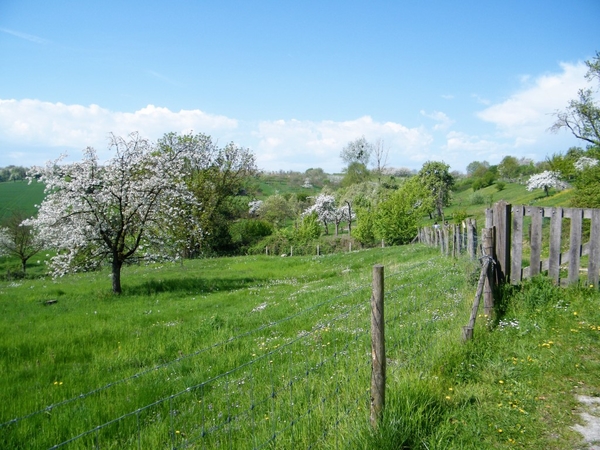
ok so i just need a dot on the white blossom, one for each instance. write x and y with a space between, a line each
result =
545 181
254 207
584 163
125 209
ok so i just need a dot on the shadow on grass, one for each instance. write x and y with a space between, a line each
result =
191 285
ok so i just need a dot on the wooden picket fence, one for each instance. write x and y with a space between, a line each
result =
452 239
563 243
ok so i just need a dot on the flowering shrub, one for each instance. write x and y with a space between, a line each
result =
545 181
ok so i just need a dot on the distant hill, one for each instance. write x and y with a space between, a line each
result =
21 195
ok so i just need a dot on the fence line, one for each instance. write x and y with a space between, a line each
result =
545 236
452 239
262 401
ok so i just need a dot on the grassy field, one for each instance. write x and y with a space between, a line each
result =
20 195
271 352
513 193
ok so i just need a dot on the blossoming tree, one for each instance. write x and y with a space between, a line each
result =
545 181
120 211
19 240
325 209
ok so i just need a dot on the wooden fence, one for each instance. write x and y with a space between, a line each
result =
529 240
452 239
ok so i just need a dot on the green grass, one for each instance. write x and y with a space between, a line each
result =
513 193
20 195
275 352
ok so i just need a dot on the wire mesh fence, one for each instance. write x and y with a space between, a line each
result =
299 382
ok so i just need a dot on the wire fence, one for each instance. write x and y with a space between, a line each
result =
299 382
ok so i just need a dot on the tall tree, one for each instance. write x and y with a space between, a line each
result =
582 115
217 178
380 154
357 151
436 178
509 168
397 218
119 211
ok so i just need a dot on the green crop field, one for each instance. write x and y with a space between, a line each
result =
271 352
20 195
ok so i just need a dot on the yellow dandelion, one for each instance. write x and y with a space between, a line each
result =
448 397
499 430
501 381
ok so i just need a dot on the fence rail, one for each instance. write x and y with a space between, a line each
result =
531 240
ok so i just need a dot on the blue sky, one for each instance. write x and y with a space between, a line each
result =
294 81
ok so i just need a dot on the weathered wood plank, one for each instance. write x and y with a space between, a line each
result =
536 240
502 224
517 244
594 249
576 216
554 259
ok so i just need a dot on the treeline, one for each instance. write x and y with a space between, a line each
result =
12 173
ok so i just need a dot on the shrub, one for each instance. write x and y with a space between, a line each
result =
477 198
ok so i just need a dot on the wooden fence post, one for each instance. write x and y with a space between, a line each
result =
576 216
502 241
377 347
488 291
594 261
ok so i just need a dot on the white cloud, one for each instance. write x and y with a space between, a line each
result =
297 145
37 123
527 115
444 122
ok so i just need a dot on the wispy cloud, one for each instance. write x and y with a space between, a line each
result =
479 99
161 77
444 122
25 36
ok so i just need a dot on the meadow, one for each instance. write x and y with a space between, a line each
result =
19 195
271 352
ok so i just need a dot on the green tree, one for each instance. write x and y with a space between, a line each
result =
508 168
356 173
218 181
397 218
477 169
276 210
565 164
438 181
364 232
309 228
587 188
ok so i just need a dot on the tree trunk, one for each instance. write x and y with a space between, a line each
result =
116 275
24 265
349 218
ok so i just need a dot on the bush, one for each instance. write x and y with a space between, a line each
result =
500 185
459 215
477 199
